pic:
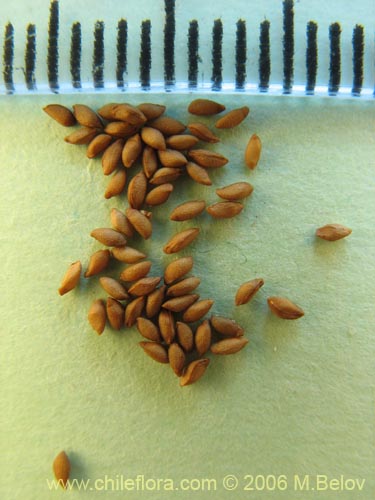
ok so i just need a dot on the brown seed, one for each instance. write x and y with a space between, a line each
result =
185 336
151 111
247 291
229 346
203 337
71 278
181 142
164 175
153 138
107 111
227 327
148 330
233 118
137 190
159 195
167 326
198 174
114 288
129 114
171 158
120 129
120 223
61 114
144 286
133 310
115 313
253 151
179 304
98 262
207 159
127 254
109 237
183 287
194 371
225 209
236 191
284 308
83 135
154 301
112 156
149 161
61 468
203 133
116 184
86 117
181 240
188 210
136 271
155 350
205 107
98 145
168 125
178 268
131 150
97 316
176 358
197 310
140 222
333 232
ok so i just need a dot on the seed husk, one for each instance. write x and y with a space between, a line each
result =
159 195
129 114
205 107
183 287
133 310
177 358
112 156
71 278
127 254
114 288
188 210
120 129
156 351
61 468
144 286
194 371
153 138
131 151
167 326
168 125
284 308
207 159
97 316
98 145
154 301
107 111
178 268
229 346
136 271
333 232
197 310
181 142
86 117
83 135
98 262
150 110
247 290
116 184
185 336
164 175
203 133
227 327
179 304
203 337
181 240
109 237
253 151
60 114
198 174
137 190
115 313
149 161
120 223
148 329
225 209
171 158
233 118
236 191
140 222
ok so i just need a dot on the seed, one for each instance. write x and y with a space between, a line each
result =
140 222
171 158
229 346
98 262
136 271
333 232
154 301
107 111
159 195
178 268
153 138
144 286
164 175
155 350
137 190
61 114
225 209
168 125
247 291
109 237
112 156
131 150
127 254
203 133
61 468
116 184
97 316
197 310
179 304
167 326
115 313
205 107
208 159
194 371
115 289
284 308
129 114
71 278
236 191
86 117
183 287
185 336
227 327
188 210
176 358
181 240
253 151
120 223
233 118
149 161
148 329
181 142
151 111
120 129
133 310
83 135
203 337
198 174
98 145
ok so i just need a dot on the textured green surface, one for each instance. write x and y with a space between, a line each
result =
298 400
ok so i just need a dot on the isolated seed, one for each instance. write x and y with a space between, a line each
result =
115 313
225 209
153 138
253 151
112 156
179 304
83 135
71 278
151 111
120 223
136 271
233 118
203 133
185 336
155 350
148 330
181 142
168 125
197 310
227 327
181 240
61 114
188 210
133 310
137 190
236 191
114 288
98 145
198 174
109 237
159 195
284 308
61 468
149 161
177 269
177 358
116 184
183 287
97 316
172 158
205 107
203 337
154 301
144 286
167 326
86 117
107 111
194 371
206 158
229 346
129 114
131 150
333 232
140 222
247 291
127 254
98 262
121 129
164 175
